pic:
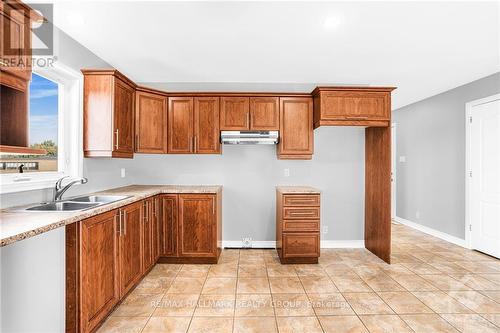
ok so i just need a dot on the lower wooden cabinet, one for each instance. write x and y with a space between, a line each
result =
191 228
148 258
99 269
297 225
130 250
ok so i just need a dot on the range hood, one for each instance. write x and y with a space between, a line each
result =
249 137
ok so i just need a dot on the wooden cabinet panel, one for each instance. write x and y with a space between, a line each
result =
301 200
168 241
150 123
99 275
15 45
124 119
264 113
300 225
130 251
235 113
147 234
296 128
206 125
108 114
301 212
180 125
338 106
156 227
298 245
197 225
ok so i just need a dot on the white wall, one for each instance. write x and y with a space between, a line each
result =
249 175
431 135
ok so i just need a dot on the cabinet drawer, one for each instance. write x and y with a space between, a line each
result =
300 225
301 200
301 213
300 245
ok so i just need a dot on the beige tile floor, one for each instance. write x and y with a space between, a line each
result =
431 286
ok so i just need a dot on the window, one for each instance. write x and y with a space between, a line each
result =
54 118
43 133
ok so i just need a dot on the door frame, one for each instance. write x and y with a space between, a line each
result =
393 170
468 178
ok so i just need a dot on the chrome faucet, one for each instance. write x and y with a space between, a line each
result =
59 189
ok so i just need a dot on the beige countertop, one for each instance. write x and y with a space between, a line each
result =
297 189
16 225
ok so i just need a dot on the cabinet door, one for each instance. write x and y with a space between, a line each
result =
235 114
264 113
168 232
130 246
99 270
206 125
180 125
150 123
123 120
354 105
147 234
15 45
156 227
197 229
296 128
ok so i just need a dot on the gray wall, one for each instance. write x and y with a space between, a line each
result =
431 135
249 175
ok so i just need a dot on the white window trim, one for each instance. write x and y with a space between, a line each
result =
70 97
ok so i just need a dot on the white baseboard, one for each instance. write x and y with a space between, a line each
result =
433 232
326 244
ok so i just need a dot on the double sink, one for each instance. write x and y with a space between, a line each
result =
77 203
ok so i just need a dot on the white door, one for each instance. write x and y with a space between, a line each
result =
393 171
484 122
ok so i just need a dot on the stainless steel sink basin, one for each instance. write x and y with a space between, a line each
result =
76 204
99 198
63 206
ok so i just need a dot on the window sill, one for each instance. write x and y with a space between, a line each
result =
36 182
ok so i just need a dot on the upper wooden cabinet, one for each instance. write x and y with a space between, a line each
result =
206 125
108 114
249 113
150 123
264 113
193 125
296 128
346 106
234 113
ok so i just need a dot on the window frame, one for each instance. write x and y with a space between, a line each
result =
70 154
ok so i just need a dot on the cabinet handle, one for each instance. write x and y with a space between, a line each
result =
136 142
194 143
191 145
116 138
118 217
303 213
356 118
124 223
248 119
213 206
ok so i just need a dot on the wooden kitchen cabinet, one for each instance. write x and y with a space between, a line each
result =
191 228
150 123
297 224
234 113
99 269
249 113
352 106
108 114
296 128
130 246
156 217
193 125
206 125
197 227
148 259
264 114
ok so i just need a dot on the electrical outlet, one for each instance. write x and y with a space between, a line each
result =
286 172
417 214
402 159
325 229
247 242
122 172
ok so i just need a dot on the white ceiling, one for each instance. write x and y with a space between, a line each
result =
423 48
